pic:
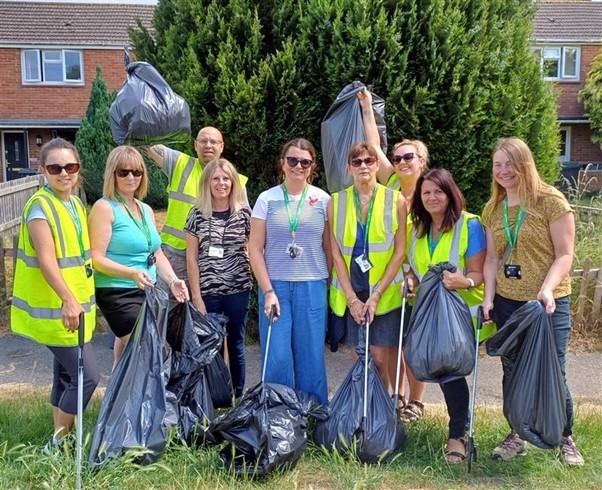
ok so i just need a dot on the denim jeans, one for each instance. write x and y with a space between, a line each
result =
296 351
236 308
561 324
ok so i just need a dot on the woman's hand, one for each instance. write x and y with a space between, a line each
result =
546 296
487 306
454 280
410 281
356 308
141 278
370 306
180 291
70 314
270 299
365 98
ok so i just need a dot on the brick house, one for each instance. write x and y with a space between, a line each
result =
568 36
49 52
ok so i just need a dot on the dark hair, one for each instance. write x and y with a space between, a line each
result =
358 148
57 144
421 218
304 145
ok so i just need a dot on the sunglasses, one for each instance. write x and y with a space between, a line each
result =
293 161
406 157
56 169
357 162
124 172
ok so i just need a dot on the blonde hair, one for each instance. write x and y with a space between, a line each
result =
121 157
205 200
530 185
421 149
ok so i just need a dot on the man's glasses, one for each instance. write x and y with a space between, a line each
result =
406 157
124 172
357 162
56 169
293 162
205 142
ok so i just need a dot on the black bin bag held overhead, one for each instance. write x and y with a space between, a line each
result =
147 111
342 126
133 408
440 341
534 394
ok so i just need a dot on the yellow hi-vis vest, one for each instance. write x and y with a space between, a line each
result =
381 236
182 194
36 308
451 248
394 182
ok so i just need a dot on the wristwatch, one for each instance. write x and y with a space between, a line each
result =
471 283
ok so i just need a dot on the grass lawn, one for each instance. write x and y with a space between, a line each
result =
25 426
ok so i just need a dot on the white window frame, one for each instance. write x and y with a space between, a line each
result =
563 52
43 62
566 157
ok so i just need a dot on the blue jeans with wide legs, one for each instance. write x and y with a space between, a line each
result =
296 351
561 324
235 307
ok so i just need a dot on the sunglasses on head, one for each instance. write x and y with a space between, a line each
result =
406 157
56 169
357 162
293 161
124 172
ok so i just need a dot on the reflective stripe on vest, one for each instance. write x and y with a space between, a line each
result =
381 237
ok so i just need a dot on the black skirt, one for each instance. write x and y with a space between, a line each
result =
120 307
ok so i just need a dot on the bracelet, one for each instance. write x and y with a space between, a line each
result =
471 284
268 292
377 291
352 302
171 283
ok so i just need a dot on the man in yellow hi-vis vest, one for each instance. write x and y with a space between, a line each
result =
184 176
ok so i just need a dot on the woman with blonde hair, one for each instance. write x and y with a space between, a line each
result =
217 261
126 245
530 231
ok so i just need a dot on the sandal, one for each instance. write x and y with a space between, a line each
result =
413 411
457 456
401 402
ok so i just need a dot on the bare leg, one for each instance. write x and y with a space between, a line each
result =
63 423
380 356
393 370
417 388
118 348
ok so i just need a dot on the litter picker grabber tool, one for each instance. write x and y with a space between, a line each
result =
80 398
471 450
271 319
400 346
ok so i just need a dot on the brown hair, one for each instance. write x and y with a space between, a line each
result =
302 144
57 144
358 148
120 157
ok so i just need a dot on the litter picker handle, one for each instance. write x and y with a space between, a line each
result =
80 330
272 316
480 318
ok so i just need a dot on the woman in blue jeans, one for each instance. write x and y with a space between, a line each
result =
289 249
216 258
530 231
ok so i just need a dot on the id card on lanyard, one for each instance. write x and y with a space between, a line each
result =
363 261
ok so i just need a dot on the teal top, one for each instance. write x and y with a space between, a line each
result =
128 246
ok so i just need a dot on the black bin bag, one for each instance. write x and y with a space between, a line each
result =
377 438
195 341
342 126
440 345
266 431
147 111
133 408
534 394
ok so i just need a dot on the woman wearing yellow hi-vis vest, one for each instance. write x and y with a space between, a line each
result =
368 223
53 282
442 231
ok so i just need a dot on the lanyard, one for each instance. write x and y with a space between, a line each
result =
293 222
142 225
512 236
360 216
74 216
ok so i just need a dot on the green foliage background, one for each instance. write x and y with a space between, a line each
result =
591 96
457 74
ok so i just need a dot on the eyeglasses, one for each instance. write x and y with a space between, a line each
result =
124 172
293 161
205 142
357 162
56 169
406 157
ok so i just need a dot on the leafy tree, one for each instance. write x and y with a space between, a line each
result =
591 96
456 73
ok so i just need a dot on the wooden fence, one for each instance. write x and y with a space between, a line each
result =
13 196
588 308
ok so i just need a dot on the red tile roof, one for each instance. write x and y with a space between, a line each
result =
70 23
568 21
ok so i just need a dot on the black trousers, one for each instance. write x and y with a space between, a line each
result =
457 400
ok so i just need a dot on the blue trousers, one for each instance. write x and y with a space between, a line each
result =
296 351
236 308
561 324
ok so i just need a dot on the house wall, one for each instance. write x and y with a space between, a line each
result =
582 148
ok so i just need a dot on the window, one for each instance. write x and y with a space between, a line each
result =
52 66
565 144
558 62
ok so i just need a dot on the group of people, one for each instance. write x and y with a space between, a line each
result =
311 253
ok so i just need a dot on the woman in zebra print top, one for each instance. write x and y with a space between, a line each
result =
217 260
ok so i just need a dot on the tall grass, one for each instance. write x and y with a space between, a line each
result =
25 425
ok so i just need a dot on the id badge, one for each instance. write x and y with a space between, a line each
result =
216 252
151 259
364 263
293 250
